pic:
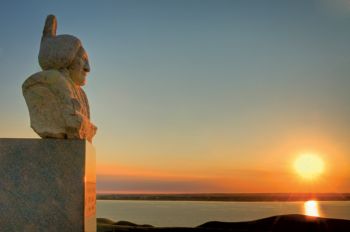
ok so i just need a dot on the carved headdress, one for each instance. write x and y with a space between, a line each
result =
56 52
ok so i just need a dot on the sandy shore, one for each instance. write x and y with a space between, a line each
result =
281 223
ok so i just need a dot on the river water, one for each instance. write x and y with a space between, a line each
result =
194 213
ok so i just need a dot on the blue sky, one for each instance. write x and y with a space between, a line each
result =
195 89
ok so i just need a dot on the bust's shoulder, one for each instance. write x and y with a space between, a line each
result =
51 76
47 78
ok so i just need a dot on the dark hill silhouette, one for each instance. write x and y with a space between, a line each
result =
281 223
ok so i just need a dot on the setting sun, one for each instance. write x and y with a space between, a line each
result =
309 166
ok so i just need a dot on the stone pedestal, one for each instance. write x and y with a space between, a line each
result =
47 185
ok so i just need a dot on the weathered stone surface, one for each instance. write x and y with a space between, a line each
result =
58 106
47 185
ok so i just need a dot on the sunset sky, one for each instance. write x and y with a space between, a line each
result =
196 95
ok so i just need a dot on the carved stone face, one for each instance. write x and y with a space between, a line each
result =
79 67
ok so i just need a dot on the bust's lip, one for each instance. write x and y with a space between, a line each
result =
84 74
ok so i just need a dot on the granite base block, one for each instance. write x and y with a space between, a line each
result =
47 185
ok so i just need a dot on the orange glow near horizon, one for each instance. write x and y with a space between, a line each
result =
295 172
271 167
311 208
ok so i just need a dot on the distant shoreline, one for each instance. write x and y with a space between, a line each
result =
233 197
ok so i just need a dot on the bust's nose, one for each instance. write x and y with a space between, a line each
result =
87 66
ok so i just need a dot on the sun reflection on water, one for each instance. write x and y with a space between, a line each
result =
311 208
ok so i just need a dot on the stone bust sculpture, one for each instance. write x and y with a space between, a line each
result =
58 106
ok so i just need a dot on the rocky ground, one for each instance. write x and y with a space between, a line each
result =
282 223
